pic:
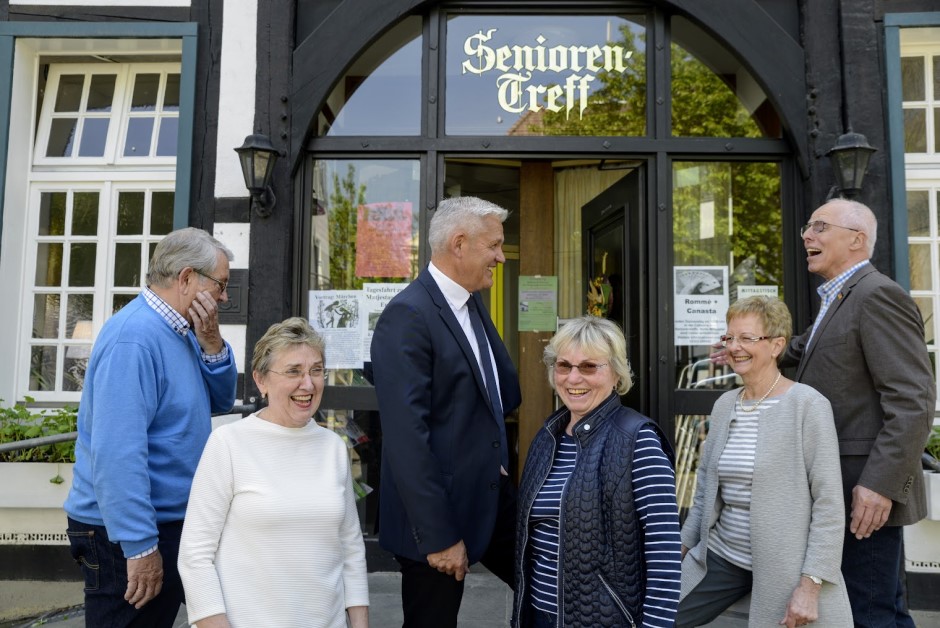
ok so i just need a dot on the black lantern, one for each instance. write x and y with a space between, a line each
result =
258 156
849 159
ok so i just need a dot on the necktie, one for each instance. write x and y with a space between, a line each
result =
490 378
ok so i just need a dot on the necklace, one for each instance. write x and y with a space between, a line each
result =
759 401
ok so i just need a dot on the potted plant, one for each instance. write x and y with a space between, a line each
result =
932 478
35 480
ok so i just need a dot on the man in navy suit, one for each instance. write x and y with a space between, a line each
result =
445 383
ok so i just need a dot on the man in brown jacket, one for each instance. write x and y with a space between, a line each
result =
866 353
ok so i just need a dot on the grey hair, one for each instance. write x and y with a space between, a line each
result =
285 335
860 216
460 212
595 336
181 248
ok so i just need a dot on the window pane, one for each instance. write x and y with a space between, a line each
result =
94 136
915 131
368 231
52 213
713 95
936 78
46 315
69 97
75 365
101 94
546 75
918 213
925 305
166 138
61 136
85 213
139 132
127 265
936 130
727 234
161 213
82 264
42 368
49 264
119 301
171 98
921 268
912 79
146 88
78 318
130 218
360 103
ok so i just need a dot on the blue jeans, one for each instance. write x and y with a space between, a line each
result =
105 570
871 569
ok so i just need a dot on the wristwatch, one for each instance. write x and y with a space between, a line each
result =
816 579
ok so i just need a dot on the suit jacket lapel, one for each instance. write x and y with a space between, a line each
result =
831 312
450 320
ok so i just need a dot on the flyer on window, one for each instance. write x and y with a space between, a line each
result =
538 303
701 302
336 315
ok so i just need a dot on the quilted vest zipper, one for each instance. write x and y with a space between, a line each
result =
623 609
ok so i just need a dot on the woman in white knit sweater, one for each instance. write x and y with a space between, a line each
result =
272 535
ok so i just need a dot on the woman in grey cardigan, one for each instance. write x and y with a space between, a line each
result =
768 517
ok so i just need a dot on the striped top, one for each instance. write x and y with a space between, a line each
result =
655 502
731 536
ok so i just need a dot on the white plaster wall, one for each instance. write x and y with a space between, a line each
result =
236 93
235 336
234 235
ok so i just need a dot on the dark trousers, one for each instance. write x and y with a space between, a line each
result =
871 569
105 570
724 584
431 599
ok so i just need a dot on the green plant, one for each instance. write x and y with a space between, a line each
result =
933 443
20 423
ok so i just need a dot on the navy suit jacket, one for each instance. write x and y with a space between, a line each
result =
440 439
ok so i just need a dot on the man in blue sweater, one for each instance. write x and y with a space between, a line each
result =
158 370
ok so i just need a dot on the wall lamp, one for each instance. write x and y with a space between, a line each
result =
849 157
257 157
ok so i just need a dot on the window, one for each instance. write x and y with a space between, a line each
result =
100 196
920 101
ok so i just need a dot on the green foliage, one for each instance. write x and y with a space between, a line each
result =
344 204
21 423
933 443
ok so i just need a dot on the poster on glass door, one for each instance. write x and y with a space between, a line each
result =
701 301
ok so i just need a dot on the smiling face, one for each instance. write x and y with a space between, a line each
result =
836 249
582 393
291 400
477 253
753 361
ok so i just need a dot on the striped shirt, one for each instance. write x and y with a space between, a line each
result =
731 536
655 502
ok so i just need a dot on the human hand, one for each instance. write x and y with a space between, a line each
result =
452 561
214 621
870 511
144 579
685 550
204 312
804 604
720 356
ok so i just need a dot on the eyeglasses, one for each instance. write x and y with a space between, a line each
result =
314 373
818 226
585 368
742 340
222 284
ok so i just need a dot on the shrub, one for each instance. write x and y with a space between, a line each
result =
933 443
20 423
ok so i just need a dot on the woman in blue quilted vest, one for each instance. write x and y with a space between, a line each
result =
597 541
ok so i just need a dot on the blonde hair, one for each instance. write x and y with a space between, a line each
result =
284 335
596 336
772 312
